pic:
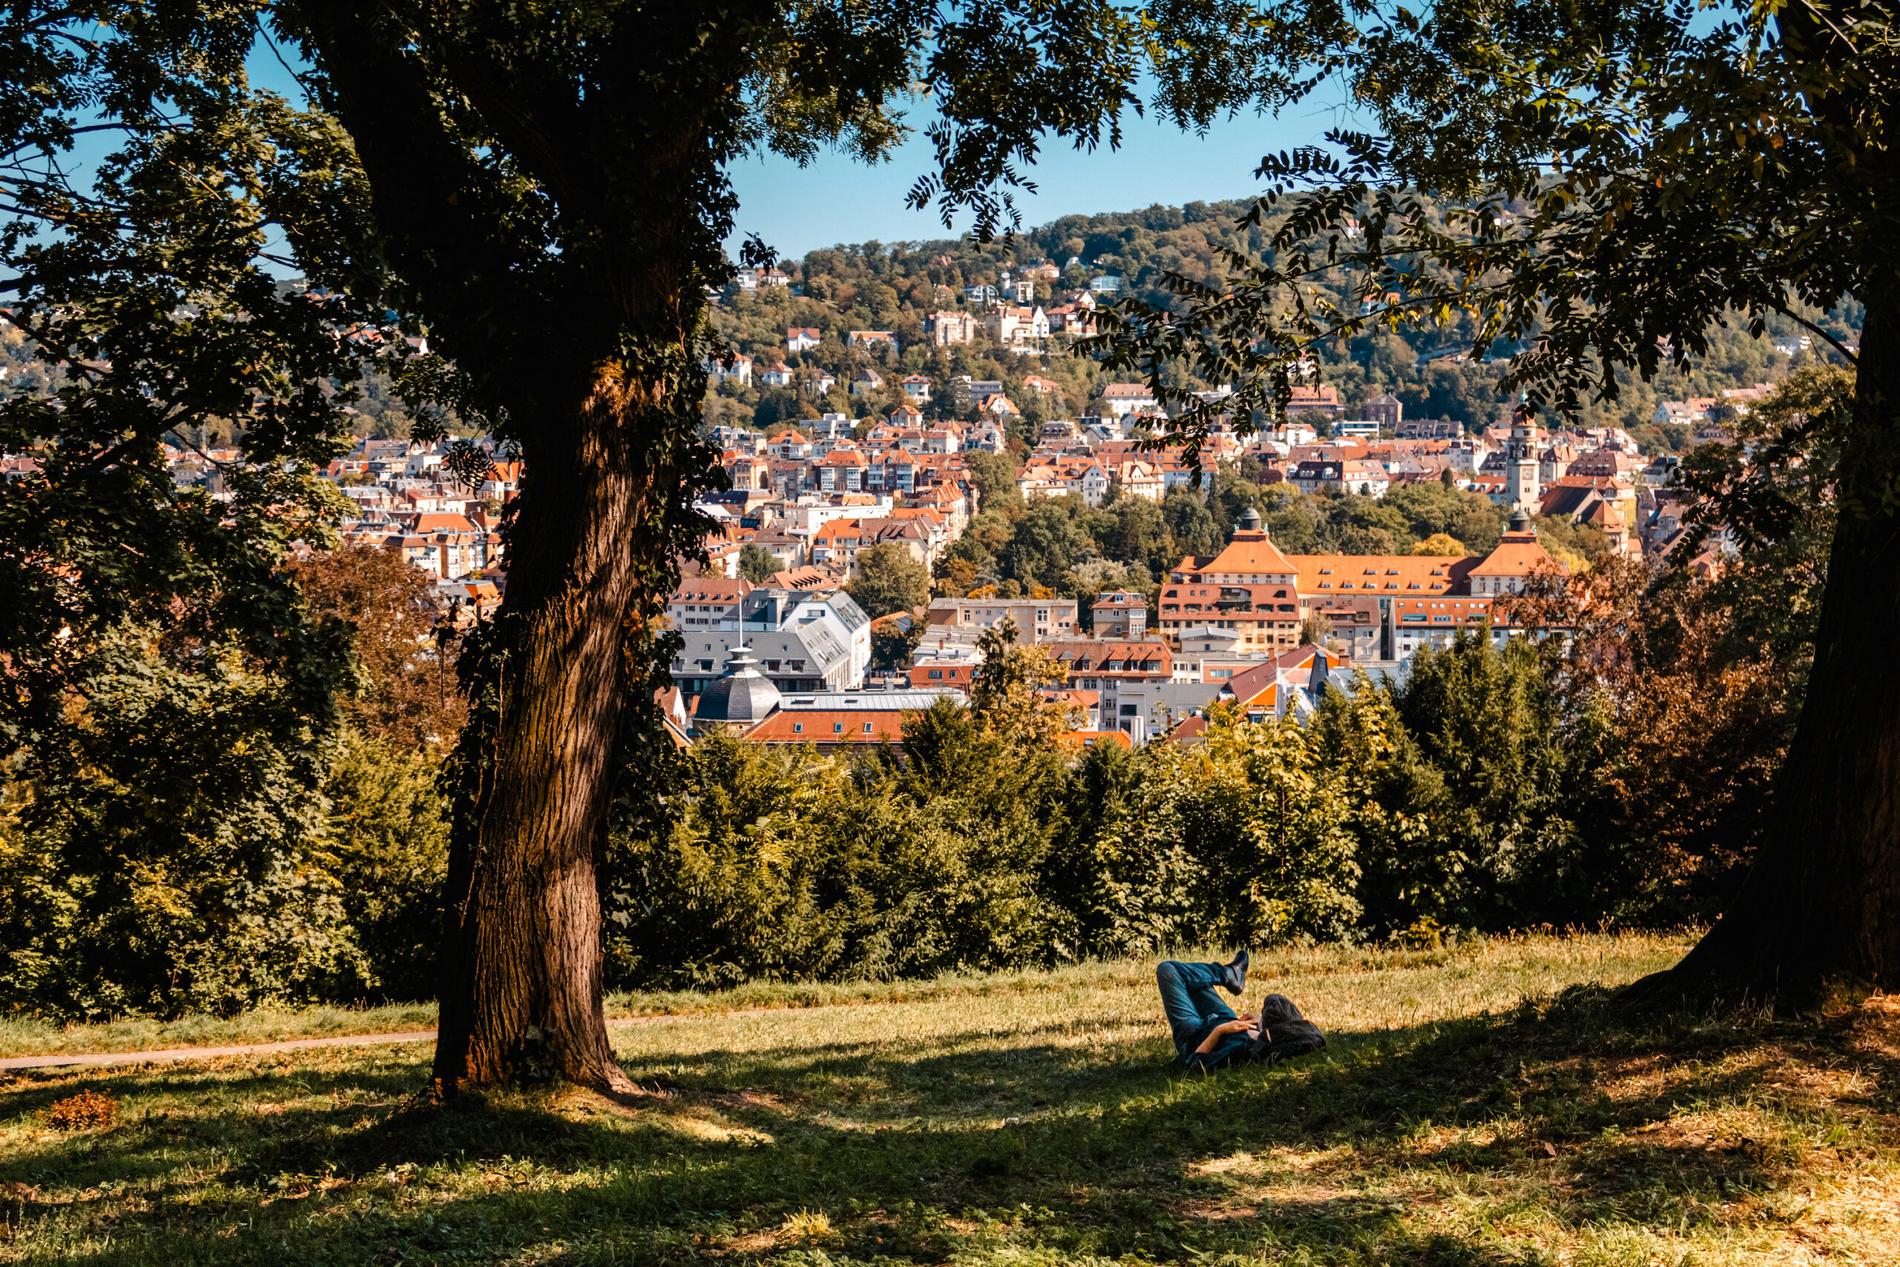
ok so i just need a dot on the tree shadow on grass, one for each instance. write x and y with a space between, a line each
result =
1074 1154
176 1119
1024 1069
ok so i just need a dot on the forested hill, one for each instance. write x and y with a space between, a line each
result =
895 286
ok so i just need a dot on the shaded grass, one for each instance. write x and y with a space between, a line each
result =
1484 1105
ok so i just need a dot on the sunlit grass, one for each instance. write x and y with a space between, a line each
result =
1482 1104
27 1036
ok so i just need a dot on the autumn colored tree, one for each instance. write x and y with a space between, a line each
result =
403 642
1440 543
1703 660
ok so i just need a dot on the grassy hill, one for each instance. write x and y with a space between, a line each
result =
1480 1105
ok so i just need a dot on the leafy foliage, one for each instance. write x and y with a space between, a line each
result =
1587 193
1705 668
168 853
387 831
756 563
889 579
401 645
1265 827
1486 794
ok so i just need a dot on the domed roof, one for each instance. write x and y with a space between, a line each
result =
1249 520
740 694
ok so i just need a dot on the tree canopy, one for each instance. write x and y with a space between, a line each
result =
889 579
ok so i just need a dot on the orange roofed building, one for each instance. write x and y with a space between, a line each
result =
1250 558
842 720
1250 588
1518 558
1377 606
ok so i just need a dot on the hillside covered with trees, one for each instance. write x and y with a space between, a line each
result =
896 286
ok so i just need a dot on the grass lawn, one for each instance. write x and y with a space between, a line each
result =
1480 1105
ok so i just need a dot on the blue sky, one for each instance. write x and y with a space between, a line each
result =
837 200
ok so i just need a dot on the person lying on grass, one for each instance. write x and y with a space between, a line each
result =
1207 1033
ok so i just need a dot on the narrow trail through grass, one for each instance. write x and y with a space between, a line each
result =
1482 1105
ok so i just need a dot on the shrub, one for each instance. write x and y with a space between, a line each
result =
742 883
1263 828
388 833
167 854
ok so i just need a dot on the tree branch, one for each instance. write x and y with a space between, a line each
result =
431 199
1809 326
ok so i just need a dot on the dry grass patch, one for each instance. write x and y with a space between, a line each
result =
83 1111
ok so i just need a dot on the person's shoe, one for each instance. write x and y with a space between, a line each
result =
1236 973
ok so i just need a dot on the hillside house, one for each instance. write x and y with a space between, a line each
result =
1018 329
881 342
1311 402
1119 400
737 370
952 329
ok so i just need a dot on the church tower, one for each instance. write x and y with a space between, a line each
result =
1520 463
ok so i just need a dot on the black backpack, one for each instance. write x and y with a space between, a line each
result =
1284 1033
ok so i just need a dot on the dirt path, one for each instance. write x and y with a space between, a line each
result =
167 1054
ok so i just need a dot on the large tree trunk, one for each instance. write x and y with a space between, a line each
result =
572 313
1819 913
521 989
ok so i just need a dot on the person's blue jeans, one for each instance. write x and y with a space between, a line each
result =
1192 1006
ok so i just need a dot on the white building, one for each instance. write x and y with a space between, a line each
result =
1122 399
802 640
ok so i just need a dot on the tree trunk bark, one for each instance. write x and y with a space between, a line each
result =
572 311
521 987
1819 913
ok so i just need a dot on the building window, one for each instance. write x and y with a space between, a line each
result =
837 728
798 728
